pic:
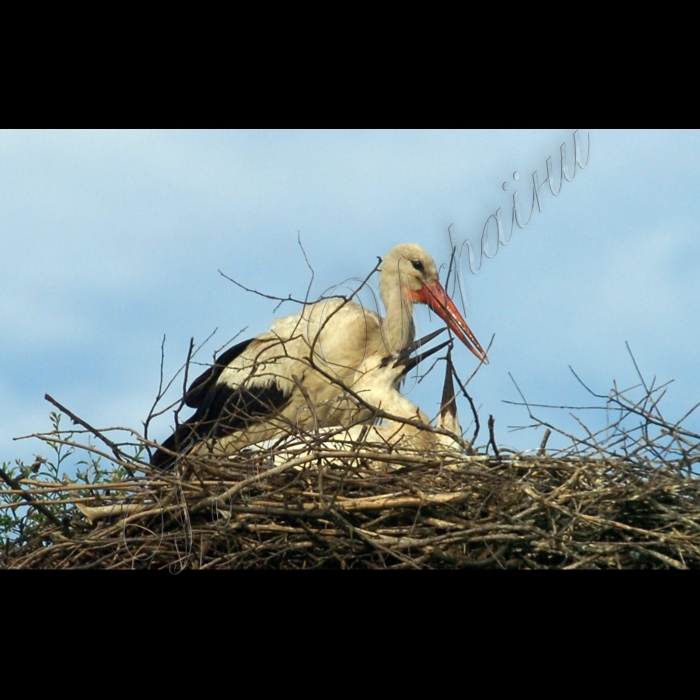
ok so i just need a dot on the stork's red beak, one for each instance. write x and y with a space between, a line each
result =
434 295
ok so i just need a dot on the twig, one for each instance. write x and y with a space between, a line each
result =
492 438
30 501
471 404
79 421
261 294
308 264
185 376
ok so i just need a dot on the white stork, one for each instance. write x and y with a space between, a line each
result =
405 427
296 373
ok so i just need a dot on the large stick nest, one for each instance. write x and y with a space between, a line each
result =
362 509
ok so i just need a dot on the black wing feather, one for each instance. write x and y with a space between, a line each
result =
221 411
206 381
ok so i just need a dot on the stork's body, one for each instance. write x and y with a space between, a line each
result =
397 431
405 428
296 374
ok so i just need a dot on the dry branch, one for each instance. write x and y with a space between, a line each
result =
339 509
623 496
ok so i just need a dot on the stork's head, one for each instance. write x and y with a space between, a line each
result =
414 271
412 266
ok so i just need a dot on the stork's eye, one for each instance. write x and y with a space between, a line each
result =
418 265
386 360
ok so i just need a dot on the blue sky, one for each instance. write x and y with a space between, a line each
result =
112 239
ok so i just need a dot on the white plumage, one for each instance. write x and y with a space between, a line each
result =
296 374
405 428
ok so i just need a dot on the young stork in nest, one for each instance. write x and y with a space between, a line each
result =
296 374
405 427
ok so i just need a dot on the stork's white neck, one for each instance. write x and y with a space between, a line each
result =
398 329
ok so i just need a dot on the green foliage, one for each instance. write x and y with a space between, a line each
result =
19 520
